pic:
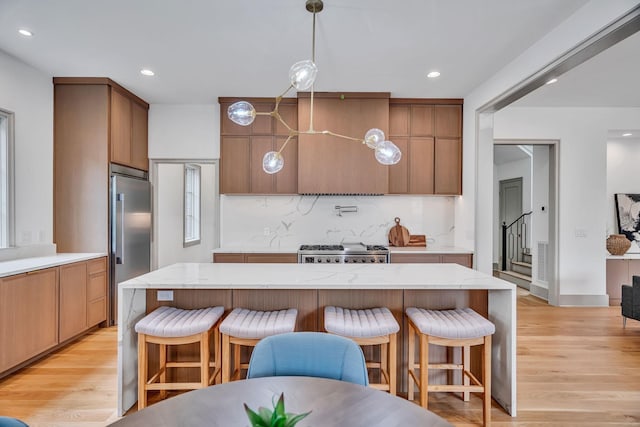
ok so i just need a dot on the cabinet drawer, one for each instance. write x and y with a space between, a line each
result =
97 287
97 265
97 312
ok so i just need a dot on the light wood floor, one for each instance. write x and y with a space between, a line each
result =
576 367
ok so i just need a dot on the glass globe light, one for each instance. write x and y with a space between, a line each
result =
241 113
302 74
272 162
388 153
373 137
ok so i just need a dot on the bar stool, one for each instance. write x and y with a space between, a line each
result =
451 328
244 327
168 326
373 326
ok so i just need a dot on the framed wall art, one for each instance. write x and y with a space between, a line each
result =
628 211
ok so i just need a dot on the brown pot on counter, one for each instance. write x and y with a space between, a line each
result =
618 244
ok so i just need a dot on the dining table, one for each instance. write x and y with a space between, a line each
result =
330 403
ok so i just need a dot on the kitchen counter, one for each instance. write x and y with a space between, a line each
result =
313 286
18 266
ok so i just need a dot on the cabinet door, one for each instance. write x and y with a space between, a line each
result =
28 316
422 120
287 178
416 258
271 258
260 181
448 121
120 128
73 300
399 173
448 166
462 259
96 291
139 136
421 165
234 164
229 258
328 164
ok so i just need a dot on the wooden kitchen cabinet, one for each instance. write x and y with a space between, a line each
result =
242 149
256 257
28 316
465 260
332 165
73 300
429 133
96 291
620 272
129 124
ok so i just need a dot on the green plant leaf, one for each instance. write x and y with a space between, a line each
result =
279 408
265 414
292 419
255 419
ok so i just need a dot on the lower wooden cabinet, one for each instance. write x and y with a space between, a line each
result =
465 260
41 309
256 258
28 316
620 272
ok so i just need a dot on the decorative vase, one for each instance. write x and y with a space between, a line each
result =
618 244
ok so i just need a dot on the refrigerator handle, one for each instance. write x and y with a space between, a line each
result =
120 253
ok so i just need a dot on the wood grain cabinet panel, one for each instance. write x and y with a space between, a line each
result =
256 257
96 291
419 258
120 128
331 165
73 300
429 132
28 316
139 136
243 148
231 258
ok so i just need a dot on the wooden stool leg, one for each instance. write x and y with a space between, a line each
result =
236 362
411 363
424 370
142 371
226 358
204 359
216 356
466 363
163 367
486 380
391 365
384 363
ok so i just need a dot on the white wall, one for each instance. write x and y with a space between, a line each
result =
29 94
184 131
516 169
582 133
622 177
168 187
474 211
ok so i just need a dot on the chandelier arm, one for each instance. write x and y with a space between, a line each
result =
285 143
338 135
279 98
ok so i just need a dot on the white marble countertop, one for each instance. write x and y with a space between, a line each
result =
625 256
312 276
17 266
392 249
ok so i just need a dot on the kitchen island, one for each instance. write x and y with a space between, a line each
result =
311 287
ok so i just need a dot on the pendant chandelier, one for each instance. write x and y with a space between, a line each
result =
302 75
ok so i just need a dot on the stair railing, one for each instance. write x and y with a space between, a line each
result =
514 240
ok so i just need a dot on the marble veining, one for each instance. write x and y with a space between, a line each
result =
18 266
288 221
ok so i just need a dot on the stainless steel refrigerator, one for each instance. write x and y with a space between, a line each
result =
130 228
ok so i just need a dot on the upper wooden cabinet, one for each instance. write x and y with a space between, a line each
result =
429 134
242 149
127 117
332 165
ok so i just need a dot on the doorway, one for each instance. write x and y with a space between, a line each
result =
173 223
510 201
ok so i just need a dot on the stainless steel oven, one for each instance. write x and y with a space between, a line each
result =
345 253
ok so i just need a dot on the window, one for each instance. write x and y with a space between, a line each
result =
6 179
191 205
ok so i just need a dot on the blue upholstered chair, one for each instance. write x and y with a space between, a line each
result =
11 422
311 354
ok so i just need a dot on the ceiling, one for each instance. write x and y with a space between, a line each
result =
202 49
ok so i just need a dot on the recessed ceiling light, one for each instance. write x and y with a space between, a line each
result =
433 74
25 33
147 72
627 134
552 81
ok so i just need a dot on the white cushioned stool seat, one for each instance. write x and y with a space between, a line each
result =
176 322
251 324
371 322
462 323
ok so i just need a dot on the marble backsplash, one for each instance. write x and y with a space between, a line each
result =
283 222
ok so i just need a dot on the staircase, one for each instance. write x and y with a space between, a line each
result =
520 271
